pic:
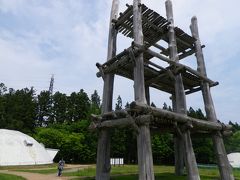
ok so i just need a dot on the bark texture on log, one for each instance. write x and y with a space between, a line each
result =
181 119
223 163
191 164
139 85
103 153
145 161
178 146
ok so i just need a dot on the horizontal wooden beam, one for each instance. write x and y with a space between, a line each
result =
120 123
167 115
157 55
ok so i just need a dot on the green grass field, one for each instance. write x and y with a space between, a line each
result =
10 177
129 172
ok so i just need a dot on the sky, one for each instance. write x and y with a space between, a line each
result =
66 38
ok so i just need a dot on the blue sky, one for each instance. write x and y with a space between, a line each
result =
67 37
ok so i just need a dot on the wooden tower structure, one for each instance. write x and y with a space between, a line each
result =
148 29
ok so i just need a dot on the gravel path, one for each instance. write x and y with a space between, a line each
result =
37 176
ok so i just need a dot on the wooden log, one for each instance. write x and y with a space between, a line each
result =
190 159
103 152
223 163
139 87
144 119
181 107
115 114
115 123
178 145
145 162
147 91
177 117
175 63
180 65
188 53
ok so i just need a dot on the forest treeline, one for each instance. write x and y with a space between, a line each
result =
61 121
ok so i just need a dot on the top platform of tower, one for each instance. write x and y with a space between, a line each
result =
155 32
155 28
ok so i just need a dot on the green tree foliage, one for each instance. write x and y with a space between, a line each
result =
235 126
162 148
18 110
62 122
232 142
95 103
118 105
127 105
44 109
75 142
78 106
203 146
153 105
60 108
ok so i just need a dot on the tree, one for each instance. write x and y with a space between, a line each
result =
20 110
78 106
95 99
162 148
95 103
232 142
75 142
44 109
165 107
127 105
153 105
59 107
118 105
3 89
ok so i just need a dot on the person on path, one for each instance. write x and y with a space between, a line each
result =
60 166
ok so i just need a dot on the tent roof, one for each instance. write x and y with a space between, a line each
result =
20 149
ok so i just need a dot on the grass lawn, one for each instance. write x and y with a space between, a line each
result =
42 169
28 167
129 172
10 177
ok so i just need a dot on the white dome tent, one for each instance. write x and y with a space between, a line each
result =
234 159
20 149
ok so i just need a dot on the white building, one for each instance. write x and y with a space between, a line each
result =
234 159
17 148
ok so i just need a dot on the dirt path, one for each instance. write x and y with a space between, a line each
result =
37 176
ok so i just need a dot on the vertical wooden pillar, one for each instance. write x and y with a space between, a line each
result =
178 147
222 160
103 152
147 92
145 161
191 164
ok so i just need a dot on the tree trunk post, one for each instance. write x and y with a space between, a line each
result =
147 92
103 152
221 155
145 161
178 147
191 164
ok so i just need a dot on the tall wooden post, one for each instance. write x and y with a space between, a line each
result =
191 164
103 152
147 92
145 161
178 146
223 163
